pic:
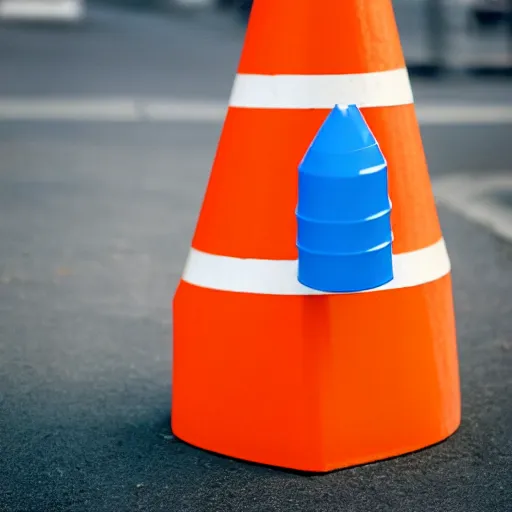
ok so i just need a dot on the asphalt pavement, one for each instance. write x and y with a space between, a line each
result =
96 217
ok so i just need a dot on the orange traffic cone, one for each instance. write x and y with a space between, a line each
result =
264 368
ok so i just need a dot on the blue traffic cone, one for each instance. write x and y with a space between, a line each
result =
344 236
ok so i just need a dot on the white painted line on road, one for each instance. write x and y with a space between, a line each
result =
183 111
471 196
65 10
68 110
111 110
180 110
470 114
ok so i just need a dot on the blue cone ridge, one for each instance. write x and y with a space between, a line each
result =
344 236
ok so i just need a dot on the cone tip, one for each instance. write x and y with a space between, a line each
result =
342 132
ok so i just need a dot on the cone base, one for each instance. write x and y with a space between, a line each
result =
345 464
315 383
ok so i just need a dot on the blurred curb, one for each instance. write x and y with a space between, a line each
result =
425 70
136 5
161 6
490 71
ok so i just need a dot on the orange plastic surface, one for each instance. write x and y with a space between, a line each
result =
314 38
249 207
315 383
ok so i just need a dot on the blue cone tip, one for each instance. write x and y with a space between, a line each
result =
344 131
344 145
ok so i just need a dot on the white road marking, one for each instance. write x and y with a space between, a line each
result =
111 110
64 10
172 110
469 114
68 110
471 197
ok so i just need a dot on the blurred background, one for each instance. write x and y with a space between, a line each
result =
110 113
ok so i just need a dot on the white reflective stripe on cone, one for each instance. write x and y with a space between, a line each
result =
279 277
379 89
